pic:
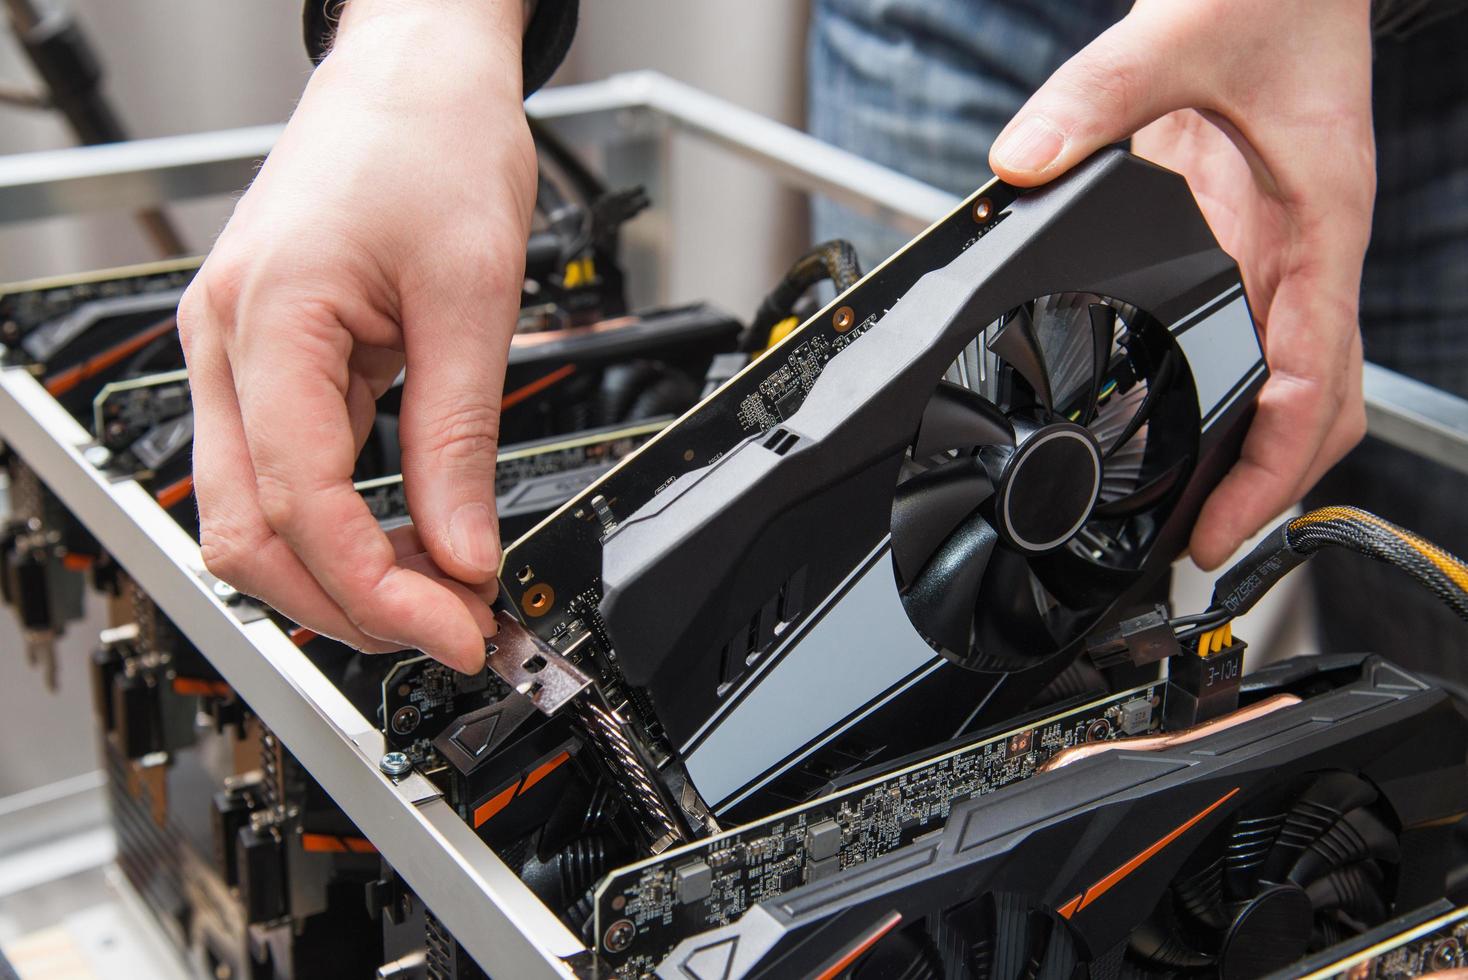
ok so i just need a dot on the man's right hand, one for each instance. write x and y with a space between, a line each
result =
386 229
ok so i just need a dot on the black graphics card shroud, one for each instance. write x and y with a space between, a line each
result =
1228 856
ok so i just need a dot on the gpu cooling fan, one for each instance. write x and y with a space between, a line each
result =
1288 875
1018 516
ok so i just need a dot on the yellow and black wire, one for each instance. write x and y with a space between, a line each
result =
1295 540
835 260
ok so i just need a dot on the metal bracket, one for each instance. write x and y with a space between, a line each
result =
529 665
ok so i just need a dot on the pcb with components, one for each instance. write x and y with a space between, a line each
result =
1427 941
531 478
26 305
420 696
124 411
643 910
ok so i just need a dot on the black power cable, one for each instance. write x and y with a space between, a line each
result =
1293 542
834 260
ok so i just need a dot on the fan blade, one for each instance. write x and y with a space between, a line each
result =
1145 497
1354 890
1160 944
1155 387
907 954
1358 836
1327 801
1103 331
1016 343
957 418
929 506
1009 625
1080 583
941 601
1198 898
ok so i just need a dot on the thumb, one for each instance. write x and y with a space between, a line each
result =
456 347
1132 75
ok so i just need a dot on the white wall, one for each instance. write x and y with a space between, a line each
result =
734 230
170 67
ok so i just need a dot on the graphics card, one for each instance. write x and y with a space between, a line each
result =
901 522
1231 853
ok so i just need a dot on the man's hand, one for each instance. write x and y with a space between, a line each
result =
1265 106
387 227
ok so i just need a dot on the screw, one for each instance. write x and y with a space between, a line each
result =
619 936
96 455
395 764
406 719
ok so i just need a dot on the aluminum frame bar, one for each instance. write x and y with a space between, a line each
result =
497 918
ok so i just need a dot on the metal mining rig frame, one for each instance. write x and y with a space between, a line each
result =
633 119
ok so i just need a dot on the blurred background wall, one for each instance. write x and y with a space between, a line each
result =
182 66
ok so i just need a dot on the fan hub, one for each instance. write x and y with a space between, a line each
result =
1048 487
1271 932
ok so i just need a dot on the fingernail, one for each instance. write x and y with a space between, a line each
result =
1031 146
471 536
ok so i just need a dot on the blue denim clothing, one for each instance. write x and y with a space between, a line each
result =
924 86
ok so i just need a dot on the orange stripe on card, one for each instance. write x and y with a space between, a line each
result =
537 386
175 493
1136 861
318 843
71 377
495 804
73 562
855 953
197 686
543 770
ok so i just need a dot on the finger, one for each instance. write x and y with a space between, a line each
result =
473 602
407 544
236 543
1137 71
1264 481
300 440
372 370
361 411
1348 426
1308 415
457 342
405 541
